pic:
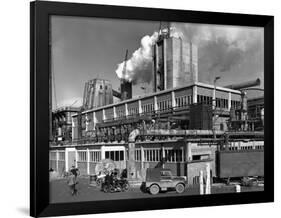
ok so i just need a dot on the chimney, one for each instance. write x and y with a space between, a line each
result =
126 90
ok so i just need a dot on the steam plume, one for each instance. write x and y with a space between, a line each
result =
220 48
138 67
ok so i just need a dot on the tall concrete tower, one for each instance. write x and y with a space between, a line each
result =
97 92
175 62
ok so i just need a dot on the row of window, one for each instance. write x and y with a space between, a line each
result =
164 105
132 111
147 108
173 155
257 147
179 101
114 155
235 104
61 155
53 155
155 155
204 99
152 155
105 87
95 156
120 113
222 103
183 101
82 156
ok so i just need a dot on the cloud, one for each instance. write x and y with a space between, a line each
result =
220 49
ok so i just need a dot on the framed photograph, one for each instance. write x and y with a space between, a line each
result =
141 109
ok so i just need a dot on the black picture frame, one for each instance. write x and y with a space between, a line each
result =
40 12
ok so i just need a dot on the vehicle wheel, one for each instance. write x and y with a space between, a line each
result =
154 189
179 188
111 189
105 189
126 187
98 182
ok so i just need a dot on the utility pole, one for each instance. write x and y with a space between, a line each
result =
214 105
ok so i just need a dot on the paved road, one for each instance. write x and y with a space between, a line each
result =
60 192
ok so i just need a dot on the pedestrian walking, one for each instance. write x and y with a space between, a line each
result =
73 180
74 171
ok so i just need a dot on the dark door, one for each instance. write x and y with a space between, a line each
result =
71 159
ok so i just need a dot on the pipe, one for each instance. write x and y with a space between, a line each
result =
132 173
116 94
126 89
133 135
244 85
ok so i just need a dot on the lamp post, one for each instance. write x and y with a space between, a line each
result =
214 105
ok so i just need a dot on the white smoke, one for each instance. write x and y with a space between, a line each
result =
220 49
138 67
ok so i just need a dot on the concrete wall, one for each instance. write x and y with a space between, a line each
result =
53 164
92 168
193 170
61 167
181 63
204 91
178 169
82 166
58 166
206 149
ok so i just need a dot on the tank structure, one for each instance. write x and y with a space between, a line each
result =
62 124
175 62
97 93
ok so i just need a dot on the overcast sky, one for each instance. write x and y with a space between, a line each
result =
86 48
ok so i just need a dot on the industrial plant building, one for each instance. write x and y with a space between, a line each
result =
181 125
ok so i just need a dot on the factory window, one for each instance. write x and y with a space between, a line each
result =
133 111
204 99
147 108
53 155
183 101
114 155
144 108
95 156
120 113
235 104
152 155
61 155
177 102
138 154
200 157
164 105
174 155
82 156
221 103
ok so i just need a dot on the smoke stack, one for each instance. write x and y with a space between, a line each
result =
126 89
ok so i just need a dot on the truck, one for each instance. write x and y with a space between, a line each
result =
159 179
